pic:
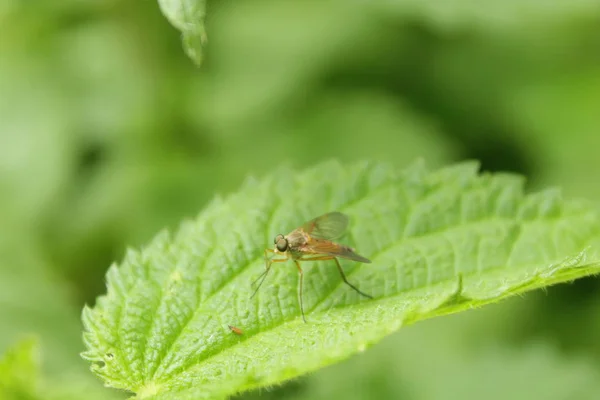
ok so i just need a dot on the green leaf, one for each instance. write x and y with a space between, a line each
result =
188 16
440 242
19 370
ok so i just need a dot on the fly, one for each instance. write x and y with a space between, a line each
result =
313 241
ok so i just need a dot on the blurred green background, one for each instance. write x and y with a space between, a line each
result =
108 133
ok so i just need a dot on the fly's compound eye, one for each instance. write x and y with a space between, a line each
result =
282 244
278 238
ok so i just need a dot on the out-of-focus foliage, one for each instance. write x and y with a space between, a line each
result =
20 378
188 16
18 372
108 133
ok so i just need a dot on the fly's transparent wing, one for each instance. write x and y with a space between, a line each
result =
332 249
328 226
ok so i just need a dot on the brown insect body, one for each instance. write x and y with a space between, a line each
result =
301 244
312 242
297 244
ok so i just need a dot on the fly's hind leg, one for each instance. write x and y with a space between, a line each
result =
346 280
343 275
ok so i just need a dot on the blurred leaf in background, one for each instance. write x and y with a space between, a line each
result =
108 133
21 378
18 371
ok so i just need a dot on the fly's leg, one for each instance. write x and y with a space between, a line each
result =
323 258
268 251
263 276
346 280
300 289
268 262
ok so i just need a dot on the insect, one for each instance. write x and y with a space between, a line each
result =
236 330
312 242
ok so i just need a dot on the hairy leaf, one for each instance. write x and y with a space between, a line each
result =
440 242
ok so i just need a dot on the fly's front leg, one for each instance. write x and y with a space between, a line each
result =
268 263
266 257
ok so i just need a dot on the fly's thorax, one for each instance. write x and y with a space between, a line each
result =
296 239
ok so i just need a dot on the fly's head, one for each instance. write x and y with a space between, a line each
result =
281 244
